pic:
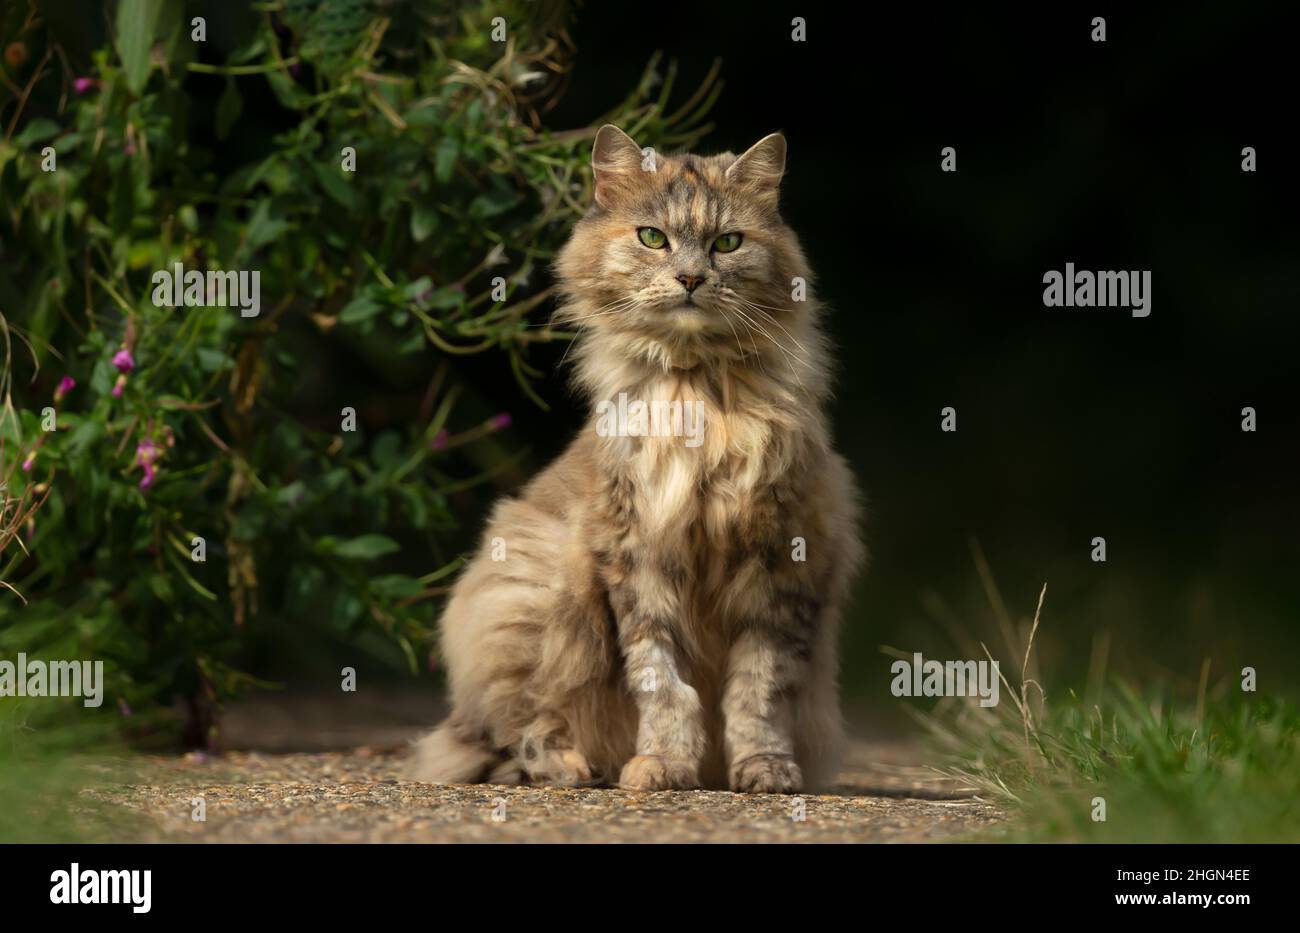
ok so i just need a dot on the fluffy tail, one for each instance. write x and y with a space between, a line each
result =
449 755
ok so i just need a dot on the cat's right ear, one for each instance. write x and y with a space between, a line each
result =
615 162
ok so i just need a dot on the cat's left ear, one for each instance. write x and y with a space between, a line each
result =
762 165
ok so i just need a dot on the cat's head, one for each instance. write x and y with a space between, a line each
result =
684 259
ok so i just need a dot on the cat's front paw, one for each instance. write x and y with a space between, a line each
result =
651 772
766 774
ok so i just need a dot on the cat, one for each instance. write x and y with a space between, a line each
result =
657 614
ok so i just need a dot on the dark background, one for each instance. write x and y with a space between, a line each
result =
1072 423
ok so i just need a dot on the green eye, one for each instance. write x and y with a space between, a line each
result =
727 243
652 238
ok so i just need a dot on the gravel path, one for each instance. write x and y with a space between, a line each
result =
358 796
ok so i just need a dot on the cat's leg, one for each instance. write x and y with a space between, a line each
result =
769 666
670 738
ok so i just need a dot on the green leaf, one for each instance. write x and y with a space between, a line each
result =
249 52
136 22
37 131
331 179
424 220
366 547
161 587
289 496
361 308
288 92
82 436
229 108
102 377
420 287
347 609
422 116
387 451
172 33
446 298
491 203
396 586
444 159
210 361
262 229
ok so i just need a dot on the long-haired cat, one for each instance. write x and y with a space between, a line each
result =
660 606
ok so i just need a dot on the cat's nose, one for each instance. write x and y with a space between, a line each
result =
690 282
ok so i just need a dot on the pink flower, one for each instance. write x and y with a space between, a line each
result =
146 455
29 462
82 85
122 707
501 422
66 385
119 386
439 440
123 360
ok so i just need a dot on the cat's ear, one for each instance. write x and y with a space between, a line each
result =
762 165
615 161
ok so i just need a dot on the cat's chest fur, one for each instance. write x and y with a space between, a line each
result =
708 483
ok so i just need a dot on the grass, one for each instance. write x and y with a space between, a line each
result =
48 760
1221 766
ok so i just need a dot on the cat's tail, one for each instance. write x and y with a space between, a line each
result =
452 754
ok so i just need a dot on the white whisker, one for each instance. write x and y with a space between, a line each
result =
789 360
759 309
801 354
